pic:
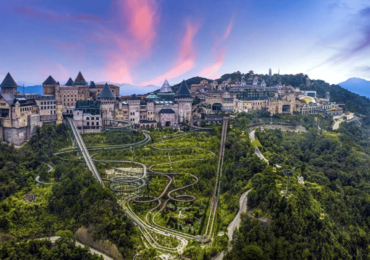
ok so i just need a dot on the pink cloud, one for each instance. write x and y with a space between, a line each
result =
212 69
186 59
56 70
140 18
26 11
228 29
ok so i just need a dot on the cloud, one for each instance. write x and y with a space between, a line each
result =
55 69
228 29
185 60
356 47
65 46
337 5
142 18
26 11
50 15
365 12
211 70
133 40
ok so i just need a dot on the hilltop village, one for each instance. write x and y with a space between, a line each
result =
93 106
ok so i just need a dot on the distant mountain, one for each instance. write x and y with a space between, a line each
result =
37 89
357 85
193 80
128 89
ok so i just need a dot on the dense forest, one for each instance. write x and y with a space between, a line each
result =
75 200
326 218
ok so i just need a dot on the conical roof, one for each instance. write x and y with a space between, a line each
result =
69 82
92 84
183 91
50 81
8 82
106 92
80 80
165 87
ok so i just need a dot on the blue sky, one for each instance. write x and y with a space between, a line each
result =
145 41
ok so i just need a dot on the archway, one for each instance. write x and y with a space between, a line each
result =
217 107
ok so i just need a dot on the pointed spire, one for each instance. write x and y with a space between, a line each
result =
50 81
8 82
183 91
92 84
69 82
165 87
106 92
80 80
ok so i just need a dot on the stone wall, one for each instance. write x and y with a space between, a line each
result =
15 136
34 121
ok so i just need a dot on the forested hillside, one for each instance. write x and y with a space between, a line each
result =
29 211
326 218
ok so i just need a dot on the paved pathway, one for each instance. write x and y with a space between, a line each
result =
256 149
234 224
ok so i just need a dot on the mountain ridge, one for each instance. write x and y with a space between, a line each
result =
357 85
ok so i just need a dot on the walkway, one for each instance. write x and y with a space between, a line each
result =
257 149
235 223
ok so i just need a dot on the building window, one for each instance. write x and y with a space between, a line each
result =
92 118
87 123
97 123
87 118
92 123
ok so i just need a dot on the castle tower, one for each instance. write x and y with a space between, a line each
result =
49 86
270 72
8 86
108 101
185 100
93 90
80 80
69 82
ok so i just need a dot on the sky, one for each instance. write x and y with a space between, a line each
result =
144 42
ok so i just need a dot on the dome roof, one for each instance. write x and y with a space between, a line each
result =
307 100
152 96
